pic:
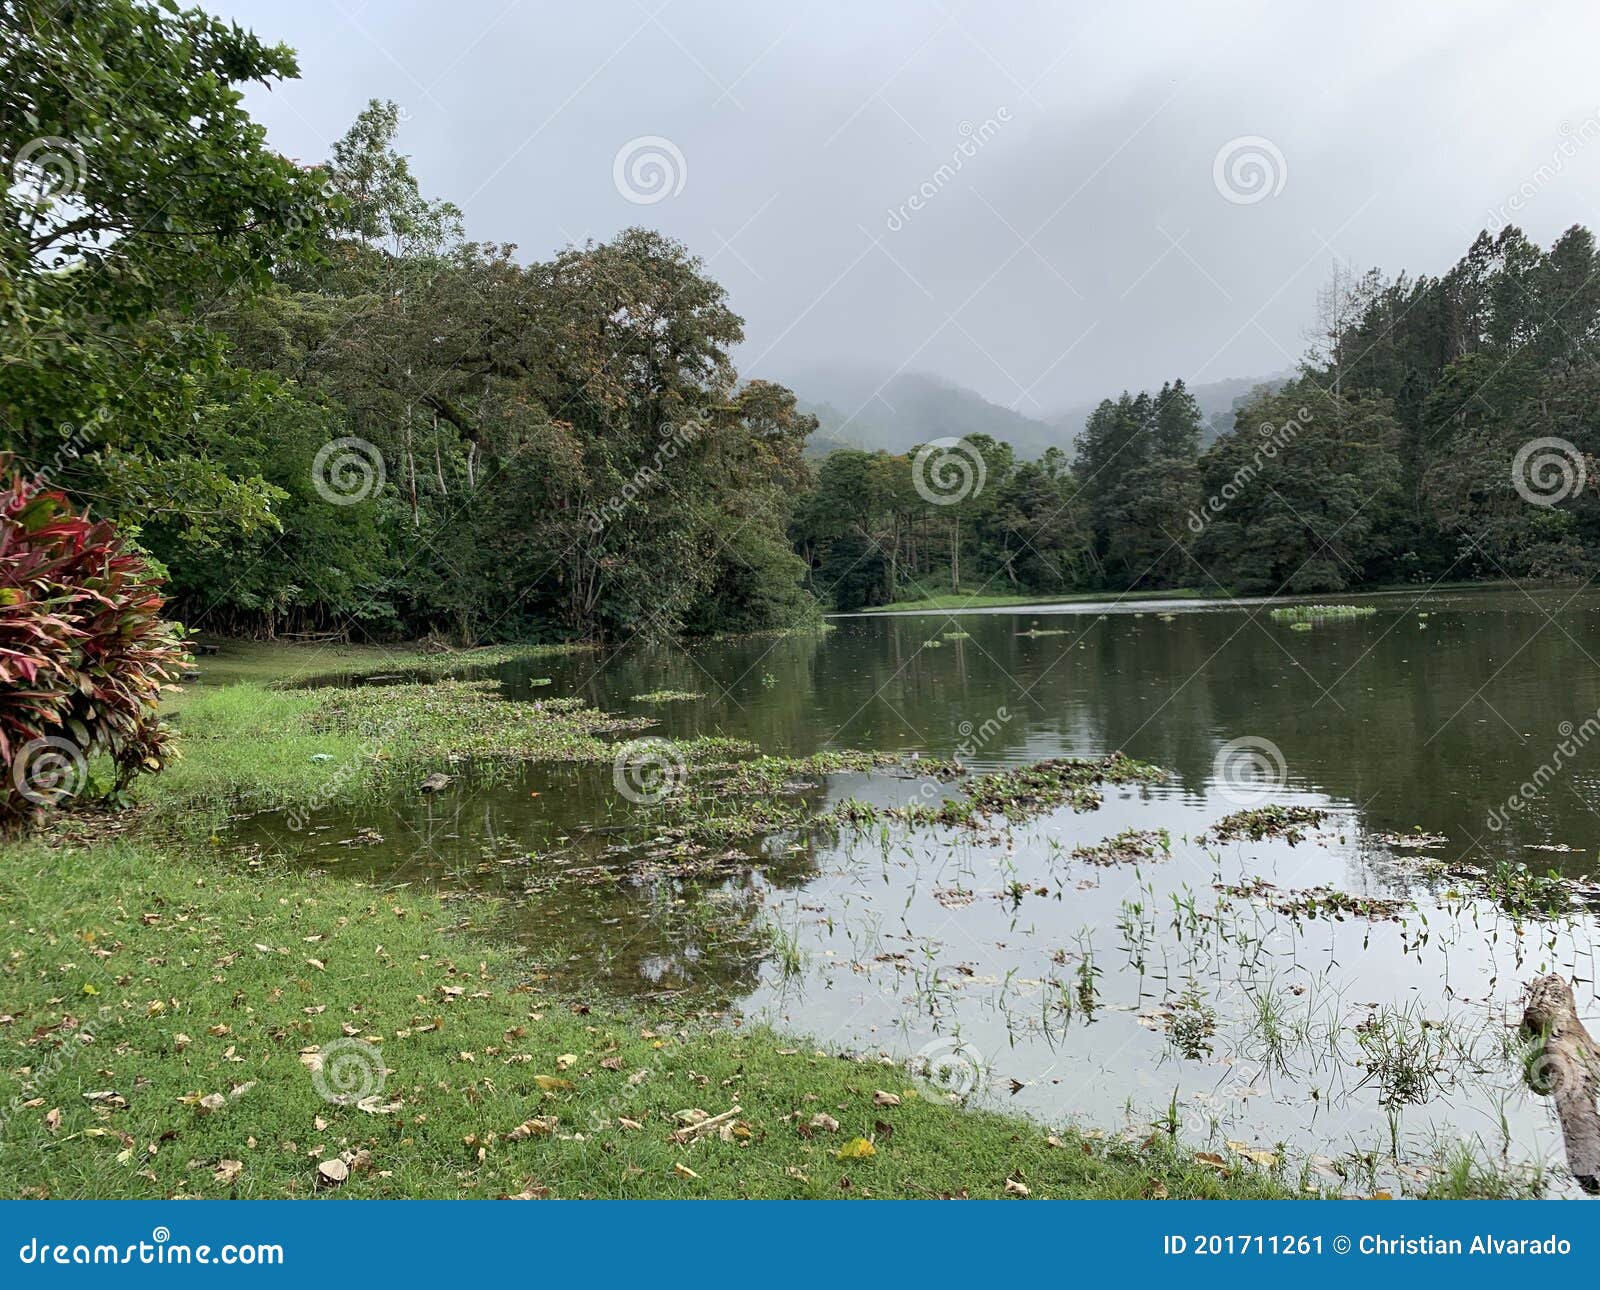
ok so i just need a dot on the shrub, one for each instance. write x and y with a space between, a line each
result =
84 652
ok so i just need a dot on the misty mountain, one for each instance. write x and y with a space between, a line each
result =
859 407
863 408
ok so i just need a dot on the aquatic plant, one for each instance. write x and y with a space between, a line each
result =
1191 1022
1316 902
1128 847
1319 613
1287 822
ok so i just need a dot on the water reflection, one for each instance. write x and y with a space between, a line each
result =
1086 989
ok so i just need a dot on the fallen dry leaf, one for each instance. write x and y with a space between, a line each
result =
1267 1159
541 1126
856 1149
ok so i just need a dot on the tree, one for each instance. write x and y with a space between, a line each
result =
1137 478
1296 491
144 189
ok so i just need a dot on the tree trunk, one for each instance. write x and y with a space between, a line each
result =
1565 1070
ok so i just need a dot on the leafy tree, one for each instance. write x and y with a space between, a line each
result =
1300 485
144 189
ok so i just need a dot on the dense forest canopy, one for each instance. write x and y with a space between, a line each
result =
1441 429
320 407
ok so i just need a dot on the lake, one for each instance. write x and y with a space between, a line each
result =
1347 997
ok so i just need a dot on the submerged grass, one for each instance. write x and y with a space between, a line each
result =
1015 795
251 746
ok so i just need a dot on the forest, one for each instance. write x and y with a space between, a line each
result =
425 771
320 408
1441 429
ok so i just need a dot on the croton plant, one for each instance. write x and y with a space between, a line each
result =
84 651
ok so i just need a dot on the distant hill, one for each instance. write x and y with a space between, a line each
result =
858 407
1219 403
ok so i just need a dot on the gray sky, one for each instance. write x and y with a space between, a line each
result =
1090 238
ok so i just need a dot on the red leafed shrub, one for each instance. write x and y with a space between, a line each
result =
84 652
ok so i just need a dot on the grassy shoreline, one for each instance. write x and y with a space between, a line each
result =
211 991
165 1007
965 600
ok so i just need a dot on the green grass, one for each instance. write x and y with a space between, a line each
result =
285 664
250 746
207 989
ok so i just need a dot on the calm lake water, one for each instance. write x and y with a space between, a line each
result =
1116 995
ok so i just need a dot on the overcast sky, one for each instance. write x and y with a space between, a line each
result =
1146 189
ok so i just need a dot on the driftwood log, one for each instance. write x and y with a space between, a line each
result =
1566 1069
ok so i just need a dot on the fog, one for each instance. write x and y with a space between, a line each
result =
1043 202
